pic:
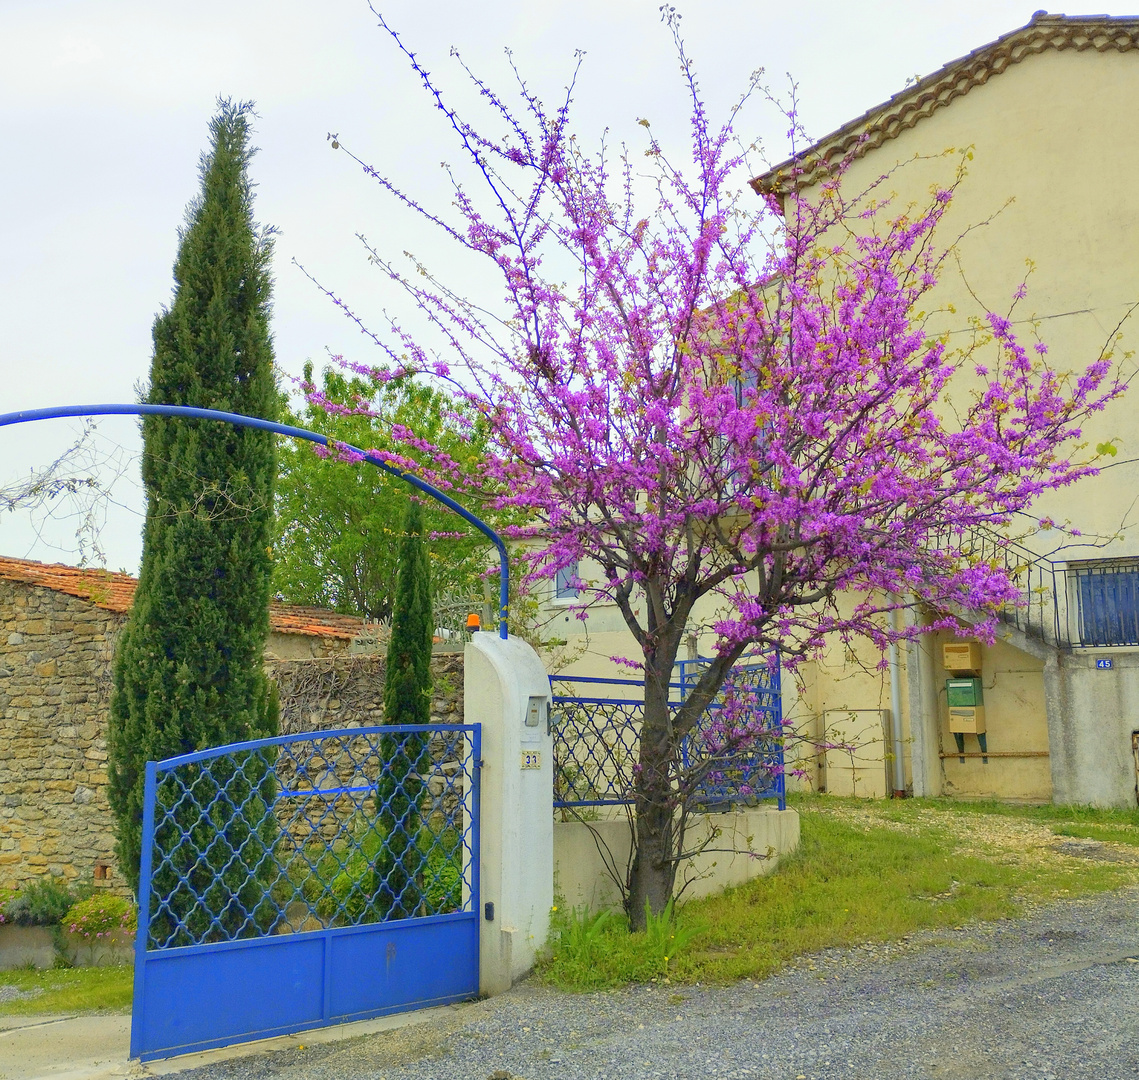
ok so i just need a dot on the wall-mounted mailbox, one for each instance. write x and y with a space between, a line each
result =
961 656
966 706
964 692
967 720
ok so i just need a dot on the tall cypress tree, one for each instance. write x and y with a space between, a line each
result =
407 682
407 700
188 667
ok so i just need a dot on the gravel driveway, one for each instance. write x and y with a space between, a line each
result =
1053 995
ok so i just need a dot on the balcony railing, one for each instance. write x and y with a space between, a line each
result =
1084 604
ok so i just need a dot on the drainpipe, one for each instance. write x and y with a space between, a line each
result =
896 714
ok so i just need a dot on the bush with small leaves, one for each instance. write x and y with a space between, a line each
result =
43 902
99 918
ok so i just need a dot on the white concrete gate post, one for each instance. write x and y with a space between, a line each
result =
506 690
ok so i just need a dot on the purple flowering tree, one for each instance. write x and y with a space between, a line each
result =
730 408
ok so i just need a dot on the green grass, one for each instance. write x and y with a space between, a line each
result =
1045 814
1112 833
70 990
864 872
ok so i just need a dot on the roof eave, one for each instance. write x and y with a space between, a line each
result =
889 119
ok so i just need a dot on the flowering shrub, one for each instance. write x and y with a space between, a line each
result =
99 918
42 902
748 419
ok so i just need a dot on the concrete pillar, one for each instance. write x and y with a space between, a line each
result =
923 703
506 690
1061 734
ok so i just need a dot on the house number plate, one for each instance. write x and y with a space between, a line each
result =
531 759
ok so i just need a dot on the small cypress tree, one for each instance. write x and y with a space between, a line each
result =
188 667
407 700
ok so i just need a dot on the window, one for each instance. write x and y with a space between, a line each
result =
565 587
1107 601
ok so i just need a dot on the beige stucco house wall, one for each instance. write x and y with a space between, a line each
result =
1046 122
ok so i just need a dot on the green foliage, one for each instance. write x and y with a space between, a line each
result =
100 916
188 668
407 700
214 851
443 880
351 894
407 683
665 938
346 889
580 938
42 902
338 533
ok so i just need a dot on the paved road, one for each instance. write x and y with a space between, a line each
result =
1051 997
63 1047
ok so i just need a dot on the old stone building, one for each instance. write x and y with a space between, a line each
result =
58 626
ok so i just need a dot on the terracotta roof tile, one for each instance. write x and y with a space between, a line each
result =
114 592
318 622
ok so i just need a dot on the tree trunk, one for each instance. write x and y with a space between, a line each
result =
654 867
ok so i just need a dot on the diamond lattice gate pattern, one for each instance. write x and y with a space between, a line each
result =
732 759
306 880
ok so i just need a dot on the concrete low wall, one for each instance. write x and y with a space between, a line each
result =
748 845
1092 715
79 952
26 946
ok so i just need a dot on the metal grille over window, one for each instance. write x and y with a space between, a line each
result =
1107 597
310 832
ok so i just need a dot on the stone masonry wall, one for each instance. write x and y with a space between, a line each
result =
348 691
55 683
56 653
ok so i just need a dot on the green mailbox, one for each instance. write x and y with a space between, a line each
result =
964 693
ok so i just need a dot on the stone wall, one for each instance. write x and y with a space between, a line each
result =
55 682
348 691
56 653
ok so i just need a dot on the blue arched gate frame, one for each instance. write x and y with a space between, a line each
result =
306 880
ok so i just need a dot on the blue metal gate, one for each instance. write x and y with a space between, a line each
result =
306 880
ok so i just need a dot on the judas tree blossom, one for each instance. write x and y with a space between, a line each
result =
736 416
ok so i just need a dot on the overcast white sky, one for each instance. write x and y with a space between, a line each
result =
103 114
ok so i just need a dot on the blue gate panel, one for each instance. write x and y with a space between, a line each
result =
411 964
206 996
306 880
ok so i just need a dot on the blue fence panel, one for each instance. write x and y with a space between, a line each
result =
744 764
595 740
306 880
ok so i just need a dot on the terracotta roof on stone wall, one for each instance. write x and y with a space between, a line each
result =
1044 33
114 592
